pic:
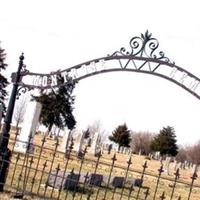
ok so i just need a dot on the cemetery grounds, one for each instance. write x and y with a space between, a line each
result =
30 174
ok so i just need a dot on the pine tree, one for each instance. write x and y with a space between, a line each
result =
121 136
165 142
3 80
57 106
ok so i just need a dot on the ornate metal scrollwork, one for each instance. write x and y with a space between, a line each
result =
24 71
22 90
142 56
144 46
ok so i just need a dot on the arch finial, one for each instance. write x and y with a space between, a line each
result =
144 46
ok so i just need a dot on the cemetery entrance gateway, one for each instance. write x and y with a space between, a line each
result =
142 56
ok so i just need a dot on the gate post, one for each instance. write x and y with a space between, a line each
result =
5 152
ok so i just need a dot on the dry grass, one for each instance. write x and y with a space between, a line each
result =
89 166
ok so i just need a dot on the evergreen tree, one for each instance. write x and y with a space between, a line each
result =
57 106
121 136
3 80
165 142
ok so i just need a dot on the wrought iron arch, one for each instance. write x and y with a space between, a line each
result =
143 56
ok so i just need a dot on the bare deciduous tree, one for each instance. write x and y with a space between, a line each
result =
189 153
141 142
193 153
182 154
19 111
97 127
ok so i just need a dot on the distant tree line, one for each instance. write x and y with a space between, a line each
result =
144 142
190 153
164 142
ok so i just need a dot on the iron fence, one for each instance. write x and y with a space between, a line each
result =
44 172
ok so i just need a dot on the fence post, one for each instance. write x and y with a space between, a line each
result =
5 152
194 176
159 176
1 113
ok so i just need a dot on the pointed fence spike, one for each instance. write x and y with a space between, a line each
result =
162 197
160 170
177 174
129 162
194 176
145 165
114 158
179 198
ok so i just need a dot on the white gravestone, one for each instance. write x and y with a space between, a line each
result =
79 142
55 132
29 125
62 146
93 148
82 141
167 163
175 165
77 136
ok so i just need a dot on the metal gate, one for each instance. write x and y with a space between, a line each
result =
45 172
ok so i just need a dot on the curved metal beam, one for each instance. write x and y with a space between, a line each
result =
142 57
141 71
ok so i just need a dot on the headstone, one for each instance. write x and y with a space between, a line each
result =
77 135
62 146
109 148
157 155
189 165
175 165
185 164
127 150
102 150
122 150
167 163
135 182
106 179
82 141
72 181
83 178
93 149
29 125
95 179
151 156
181 165
118 181
55 132
57 179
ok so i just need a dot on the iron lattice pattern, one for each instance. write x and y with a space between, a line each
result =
44 172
